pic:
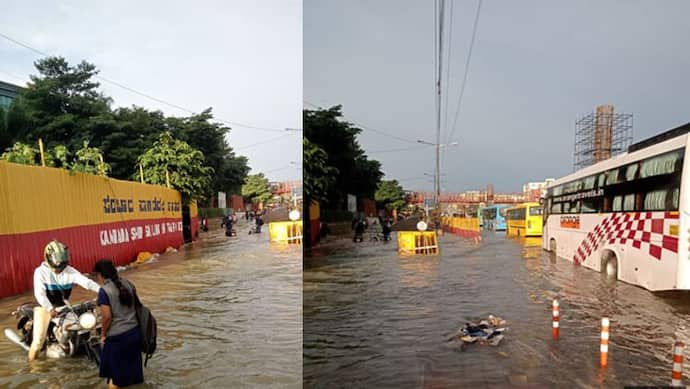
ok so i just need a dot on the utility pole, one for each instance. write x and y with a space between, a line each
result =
437 186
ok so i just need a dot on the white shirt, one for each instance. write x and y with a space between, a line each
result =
51 288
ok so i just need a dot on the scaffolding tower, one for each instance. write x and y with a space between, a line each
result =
601 135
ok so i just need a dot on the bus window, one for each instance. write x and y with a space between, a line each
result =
612 176
631 172
617 204
589 182
601 180
629 202
663 164
574 207
535 211
675 194
502 211
572 187
520 214
591 206
557 191
556 208
655 200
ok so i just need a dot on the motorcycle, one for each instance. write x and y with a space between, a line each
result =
75 330
229 231
256 228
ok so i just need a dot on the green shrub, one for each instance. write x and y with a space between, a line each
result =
211 212
335 215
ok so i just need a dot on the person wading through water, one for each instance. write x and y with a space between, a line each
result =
53 281
120 335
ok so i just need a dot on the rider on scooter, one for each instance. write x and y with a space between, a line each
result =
53 281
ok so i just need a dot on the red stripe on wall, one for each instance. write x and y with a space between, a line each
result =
195 227
20 254
315 226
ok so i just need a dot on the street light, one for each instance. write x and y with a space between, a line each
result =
442 145
437 185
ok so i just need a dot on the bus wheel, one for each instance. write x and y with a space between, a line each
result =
612 268
552 250
610 264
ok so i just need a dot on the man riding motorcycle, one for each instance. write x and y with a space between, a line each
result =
53 281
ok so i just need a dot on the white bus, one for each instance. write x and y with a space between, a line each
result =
627 216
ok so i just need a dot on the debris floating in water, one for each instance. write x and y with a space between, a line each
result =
488 331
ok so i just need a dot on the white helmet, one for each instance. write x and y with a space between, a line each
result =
56 255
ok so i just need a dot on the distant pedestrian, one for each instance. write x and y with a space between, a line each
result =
120 335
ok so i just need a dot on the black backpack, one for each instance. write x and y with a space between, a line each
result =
148 328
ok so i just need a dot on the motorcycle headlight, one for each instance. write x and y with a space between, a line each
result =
87 320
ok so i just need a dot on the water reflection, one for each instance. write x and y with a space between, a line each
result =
372 318
418 272
228 312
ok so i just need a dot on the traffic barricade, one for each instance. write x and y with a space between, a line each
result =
417 243
285 232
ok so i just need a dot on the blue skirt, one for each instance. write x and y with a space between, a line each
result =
121 358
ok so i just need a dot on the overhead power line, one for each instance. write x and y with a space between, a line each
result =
450 57
13 76
467 69
132 90
398 149
360 125
261 142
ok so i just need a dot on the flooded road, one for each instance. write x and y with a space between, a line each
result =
228 311
372 319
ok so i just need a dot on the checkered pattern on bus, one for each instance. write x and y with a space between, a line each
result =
644 230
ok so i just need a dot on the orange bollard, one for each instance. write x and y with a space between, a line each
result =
604 346
677 374
556 317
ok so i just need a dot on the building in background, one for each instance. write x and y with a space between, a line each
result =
286 191
601 135
533 191
8 92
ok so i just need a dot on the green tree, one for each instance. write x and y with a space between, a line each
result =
319 178
22 153
58 156
135 132
357 174
5 136
390 195
256 188
61 105
176 161
209 137
89 160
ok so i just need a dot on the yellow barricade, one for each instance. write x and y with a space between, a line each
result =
417 242
461 225
285 232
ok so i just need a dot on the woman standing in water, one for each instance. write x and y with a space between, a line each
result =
120 335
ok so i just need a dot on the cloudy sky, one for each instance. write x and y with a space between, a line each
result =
536 67
243 58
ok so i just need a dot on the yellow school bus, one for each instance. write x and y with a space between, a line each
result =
524 220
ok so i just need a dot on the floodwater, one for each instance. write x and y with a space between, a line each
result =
373 319
228 311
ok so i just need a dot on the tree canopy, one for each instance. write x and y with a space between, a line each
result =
390 195
343 167
256 188
63 106
320 178
173 160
